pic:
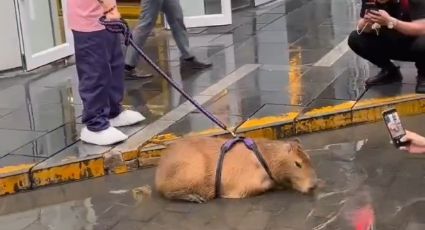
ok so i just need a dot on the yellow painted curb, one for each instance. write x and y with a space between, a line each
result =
320 119
271 127
15 183
70 172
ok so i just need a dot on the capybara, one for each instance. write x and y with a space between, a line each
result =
187 169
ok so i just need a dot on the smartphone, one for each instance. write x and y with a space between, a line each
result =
371 5
394 126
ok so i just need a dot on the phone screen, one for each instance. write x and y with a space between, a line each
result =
394 125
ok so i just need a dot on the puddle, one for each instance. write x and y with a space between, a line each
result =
364 188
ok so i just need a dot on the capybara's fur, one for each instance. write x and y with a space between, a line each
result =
187 169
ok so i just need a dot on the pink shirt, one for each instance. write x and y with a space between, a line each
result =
83 15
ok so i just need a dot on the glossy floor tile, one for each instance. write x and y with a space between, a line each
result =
42 118
362 172
196 122
320 103
275 110
350 85
25 162
390 90
40 115
11 140
52 142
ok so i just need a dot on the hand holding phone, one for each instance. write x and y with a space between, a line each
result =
417 143
395 128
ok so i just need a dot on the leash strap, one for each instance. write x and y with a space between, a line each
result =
121 26
226 147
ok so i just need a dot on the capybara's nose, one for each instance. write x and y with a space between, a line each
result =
312 188
317 184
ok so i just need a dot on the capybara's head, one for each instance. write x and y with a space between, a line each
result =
294 166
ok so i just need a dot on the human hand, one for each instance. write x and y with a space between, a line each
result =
367 18
416 145
114 15
364 25
381 17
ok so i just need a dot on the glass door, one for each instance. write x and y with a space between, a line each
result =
201 13
44 35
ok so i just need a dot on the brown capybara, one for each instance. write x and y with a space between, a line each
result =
187 169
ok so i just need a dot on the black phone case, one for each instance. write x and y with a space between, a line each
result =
396 140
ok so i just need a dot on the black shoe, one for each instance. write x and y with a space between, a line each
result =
385 77
134 75
420 85
192 63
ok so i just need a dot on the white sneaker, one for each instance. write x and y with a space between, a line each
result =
126 117
108 136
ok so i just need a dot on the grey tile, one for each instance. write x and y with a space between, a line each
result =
42 118
15 160
347 86
267 18
4 111
11 140
276 110
74 153
315 41
52 142
415 226
128 225
196 122
18 164
388 91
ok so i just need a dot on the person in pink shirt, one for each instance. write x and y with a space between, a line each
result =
100 68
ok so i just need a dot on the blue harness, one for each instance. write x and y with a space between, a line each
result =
226 147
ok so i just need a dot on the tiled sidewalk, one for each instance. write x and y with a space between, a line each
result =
265 59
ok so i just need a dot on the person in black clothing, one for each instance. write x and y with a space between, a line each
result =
392 30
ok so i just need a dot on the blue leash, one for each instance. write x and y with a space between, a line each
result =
121 26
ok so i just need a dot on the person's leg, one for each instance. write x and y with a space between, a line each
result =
93 72
141 32
417 51
94 76
116 88
175 19
117 116
376 49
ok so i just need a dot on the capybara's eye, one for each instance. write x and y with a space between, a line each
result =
298 164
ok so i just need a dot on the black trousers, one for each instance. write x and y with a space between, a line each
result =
100 68
389 45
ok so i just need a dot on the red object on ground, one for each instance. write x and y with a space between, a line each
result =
364 218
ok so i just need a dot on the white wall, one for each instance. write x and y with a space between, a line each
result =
10 56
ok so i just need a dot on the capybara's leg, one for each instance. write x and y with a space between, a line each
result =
193 198
232 196
183 195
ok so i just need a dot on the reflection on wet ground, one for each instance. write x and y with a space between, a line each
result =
41 111
366 180
40 121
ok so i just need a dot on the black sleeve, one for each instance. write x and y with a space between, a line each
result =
363 9
417 9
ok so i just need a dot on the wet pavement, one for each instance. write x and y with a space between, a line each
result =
362 171
40 112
